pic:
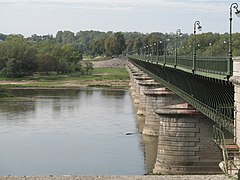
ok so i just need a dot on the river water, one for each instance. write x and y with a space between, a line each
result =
71 132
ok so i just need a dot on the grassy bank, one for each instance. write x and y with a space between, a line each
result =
101 77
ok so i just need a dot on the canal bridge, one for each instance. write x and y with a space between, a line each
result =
191 103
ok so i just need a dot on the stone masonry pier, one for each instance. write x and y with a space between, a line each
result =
185 144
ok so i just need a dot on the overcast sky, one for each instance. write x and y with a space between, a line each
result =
40 17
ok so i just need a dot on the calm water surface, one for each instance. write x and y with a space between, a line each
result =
70 132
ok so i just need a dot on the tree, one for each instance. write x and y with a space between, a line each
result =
111 46
47 63
21 57
97 47
88 67
120 43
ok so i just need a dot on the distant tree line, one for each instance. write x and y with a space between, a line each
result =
64 53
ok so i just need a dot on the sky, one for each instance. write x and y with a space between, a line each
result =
41 17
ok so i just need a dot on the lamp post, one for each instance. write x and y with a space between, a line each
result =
178 33
195 27
141 53
155 52
146 59
151 52
165 51
210 44
230 63
160 48
144 53
225 47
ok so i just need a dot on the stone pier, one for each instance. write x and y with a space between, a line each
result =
185 144
144 87
156 98
138 80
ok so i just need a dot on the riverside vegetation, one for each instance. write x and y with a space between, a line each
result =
107 74
66 59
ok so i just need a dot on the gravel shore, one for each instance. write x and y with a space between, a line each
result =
160 177
112 63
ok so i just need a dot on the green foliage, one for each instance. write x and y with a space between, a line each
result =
211 45
88 67
66 37
21 56
47 63
115 44
18 57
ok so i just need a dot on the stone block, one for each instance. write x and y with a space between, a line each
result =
180 148
179 139
171 159
177 134
182 129
176 144
176 152
179 124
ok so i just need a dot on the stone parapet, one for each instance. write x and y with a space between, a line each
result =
235 79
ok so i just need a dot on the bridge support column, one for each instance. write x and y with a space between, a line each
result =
143 87
235 79
136 77
156 98
185 144
138 81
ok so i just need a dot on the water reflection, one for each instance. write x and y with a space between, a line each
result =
75 132
150 144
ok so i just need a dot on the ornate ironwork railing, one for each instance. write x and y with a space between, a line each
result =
212 67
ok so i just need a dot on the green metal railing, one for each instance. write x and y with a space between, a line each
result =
212 67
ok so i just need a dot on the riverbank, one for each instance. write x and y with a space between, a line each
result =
109 74
161 177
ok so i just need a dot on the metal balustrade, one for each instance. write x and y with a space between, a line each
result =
212 67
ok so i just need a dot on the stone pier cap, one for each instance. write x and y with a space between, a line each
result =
178 109
150 82
143 78
138 74
159 91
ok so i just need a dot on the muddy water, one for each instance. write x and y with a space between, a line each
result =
71 132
